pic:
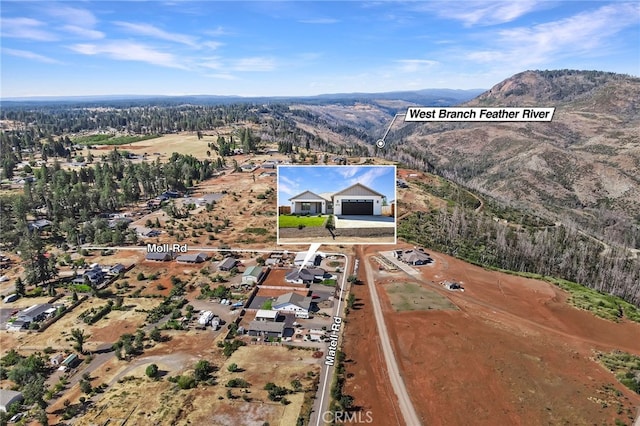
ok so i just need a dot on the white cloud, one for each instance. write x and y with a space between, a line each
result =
29 55
484 12
222 76
415 65
73 15
83 32
288 186
213 45
582 34
129 51
321 21
28 28
253 64
347 171
369 177
152 31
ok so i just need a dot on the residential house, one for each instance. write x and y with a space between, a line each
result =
35 312
267 315
294 303
192 258
301 256
357 199
252 275
304 275
414 257
227 264
266 328
159 256
8 398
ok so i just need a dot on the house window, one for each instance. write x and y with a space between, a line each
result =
305 207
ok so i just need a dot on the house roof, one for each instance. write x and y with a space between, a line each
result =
8 397
267 326
158 256
358 189
304 274
414 255
252 271
266 313
194 257
228 263
35 310
307 195
294 299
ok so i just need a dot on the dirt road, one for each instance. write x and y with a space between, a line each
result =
406 406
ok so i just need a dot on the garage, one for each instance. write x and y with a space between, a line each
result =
357 207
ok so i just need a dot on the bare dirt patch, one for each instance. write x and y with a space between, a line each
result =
515 353
407 296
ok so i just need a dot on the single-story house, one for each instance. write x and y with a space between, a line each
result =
415 257
159 256
314 261
357 199
251 275
269 164
267 315
143 231
35 312
9 397
116 269
293 302
192 258
266 328
39 225
18 325
304 275
272 262
94 276
227 263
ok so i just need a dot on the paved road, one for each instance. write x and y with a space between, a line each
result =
406 406
323 397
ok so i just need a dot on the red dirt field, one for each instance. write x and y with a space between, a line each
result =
276 277
515 353
368 380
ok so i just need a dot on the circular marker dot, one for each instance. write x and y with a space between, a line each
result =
380 143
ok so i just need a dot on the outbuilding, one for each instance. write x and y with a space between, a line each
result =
9 397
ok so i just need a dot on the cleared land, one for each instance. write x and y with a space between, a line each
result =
407 296
287 221
515 353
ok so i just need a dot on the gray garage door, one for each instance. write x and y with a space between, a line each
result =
357 207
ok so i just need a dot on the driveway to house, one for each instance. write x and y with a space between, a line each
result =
357 221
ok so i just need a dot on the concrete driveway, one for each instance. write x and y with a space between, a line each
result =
356 221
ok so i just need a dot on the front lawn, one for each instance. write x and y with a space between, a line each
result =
292 221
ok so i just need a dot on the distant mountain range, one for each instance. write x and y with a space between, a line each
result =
439 97
584 164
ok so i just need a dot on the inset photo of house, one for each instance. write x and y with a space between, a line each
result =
336 204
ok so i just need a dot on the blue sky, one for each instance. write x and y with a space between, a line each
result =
264 48
292 180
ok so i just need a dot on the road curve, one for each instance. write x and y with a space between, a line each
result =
406 406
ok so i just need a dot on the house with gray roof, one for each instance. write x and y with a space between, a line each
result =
293 303
228 263
192 258
304 275
9 397
266 328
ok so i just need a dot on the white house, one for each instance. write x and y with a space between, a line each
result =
294 303
357 199
310 202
